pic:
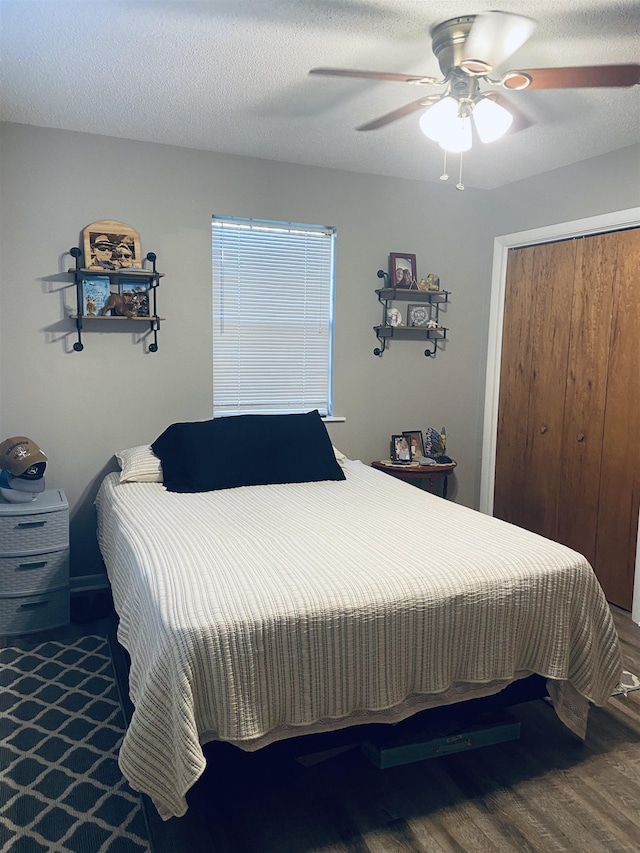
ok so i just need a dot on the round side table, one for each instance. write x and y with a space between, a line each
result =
418 474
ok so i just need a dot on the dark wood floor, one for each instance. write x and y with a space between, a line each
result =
544 793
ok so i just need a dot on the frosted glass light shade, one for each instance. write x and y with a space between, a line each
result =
457 135
434 121
491 120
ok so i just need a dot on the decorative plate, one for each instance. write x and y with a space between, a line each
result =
394 317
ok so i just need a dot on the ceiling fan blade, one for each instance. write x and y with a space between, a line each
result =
580 77
494 36
413 107
375 75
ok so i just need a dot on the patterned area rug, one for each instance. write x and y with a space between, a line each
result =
61 725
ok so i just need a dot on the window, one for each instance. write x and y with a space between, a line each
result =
273 288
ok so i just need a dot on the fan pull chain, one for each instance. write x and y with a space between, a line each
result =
444 176
460 185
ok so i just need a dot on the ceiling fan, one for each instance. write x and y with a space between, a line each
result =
468 49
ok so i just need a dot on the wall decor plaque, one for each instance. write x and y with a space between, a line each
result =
111 245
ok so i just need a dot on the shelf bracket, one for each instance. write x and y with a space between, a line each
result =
386 277
387 283
378 350
75 252
155 320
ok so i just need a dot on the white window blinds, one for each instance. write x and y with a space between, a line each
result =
272 316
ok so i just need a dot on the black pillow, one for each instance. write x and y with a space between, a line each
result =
246 450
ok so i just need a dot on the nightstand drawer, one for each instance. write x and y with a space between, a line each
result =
33 533
34 573
30 613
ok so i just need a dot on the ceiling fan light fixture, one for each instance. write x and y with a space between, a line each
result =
435 120
457 135
491 120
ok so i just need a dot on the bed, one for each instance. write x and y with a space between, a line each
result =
261 612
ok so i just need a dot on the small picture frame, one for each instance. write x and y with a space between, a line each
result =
111 245
131 299
415 441
400 449
418 315
403 270
95 294
135 294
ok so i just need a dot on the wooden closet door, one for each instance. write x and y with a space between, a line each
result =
567 458
515 380
586 394
538 302
620 473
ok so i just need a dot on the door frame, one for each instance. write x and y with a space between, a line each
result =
616 221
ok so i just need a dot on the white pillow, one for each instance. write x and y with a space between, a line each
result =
339 456
139 465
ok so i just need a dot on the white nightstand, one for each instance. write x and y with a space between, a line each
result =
34 564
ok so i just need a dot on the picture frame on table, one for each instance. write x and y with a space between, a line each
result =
403 270
415 441
400 449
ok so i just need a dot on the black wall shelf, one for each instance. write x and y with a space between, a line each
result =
431 332
150 276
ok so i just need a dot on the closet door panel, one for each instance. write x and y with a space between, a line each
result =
535 350
620 476
515 377
586 389
554 285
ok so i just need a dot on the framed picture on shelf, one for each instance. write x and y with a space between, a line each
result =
403 270
135 294
111 245
418 315
400 449
95 294
416 444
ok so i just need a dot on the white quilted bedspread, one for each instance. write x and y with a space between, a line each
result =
256 613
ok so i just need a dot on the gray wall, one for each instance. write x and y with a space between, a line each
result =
82 407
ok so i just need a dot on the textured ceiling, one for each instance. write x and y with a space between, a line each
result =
232 76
